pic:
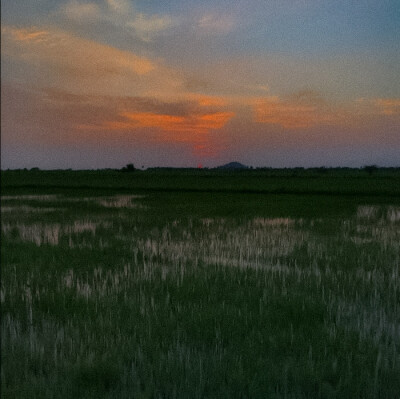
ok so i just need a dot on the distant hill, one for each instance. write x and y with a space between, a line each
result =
233 165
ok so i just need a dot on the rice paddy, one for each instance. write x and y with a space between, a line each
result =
187 295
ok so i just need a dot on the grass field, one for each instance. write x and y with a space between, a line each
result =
383 182
200 285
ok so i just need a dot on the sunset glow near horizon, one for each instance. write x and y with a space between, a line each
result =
99 84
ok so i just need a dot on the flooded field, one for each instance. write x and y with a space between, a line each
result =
175 297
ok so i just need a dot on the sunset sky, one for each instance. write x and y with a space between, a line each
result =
281 83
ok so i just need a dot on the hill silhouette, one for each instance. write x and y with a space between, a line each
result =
233 165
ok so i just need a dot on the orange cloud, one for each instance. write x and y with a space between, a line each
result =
307 109
388 106
61 49
197 123
71 63
193 130
373 107
290 116
206 101
302 110
27 34
68 62
188 125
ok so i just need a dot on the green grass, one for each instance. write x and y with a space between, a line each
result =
385 182
198 294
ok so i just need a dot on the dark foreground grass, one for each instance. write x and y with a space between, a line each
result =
385 182
199 295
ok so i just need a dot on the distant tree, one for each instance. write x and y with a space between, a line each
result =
370 169
128 168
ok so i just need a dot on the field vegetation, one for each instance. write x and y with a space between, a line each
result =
167 284
332 181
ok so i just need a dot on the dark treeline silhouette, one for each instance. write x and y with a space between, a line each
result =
232 167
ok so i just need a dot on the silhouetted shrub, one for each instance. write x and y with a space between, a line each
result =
128 168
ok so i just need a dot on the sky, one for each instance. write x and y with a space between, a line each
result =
275 83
